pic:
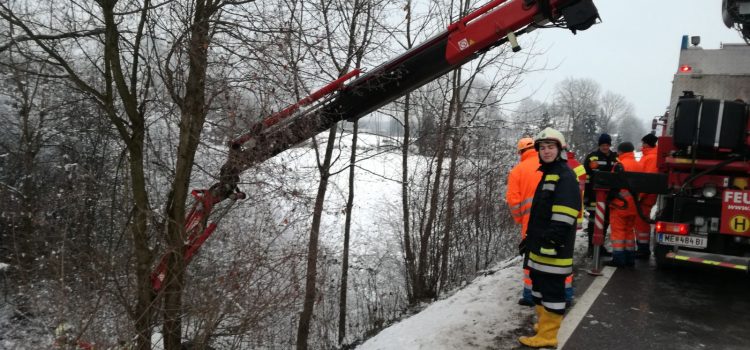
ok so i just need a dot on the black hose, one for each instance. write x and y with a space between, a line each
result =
704 172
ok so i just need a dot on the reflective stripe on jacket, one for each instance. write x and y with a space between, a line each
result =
557 202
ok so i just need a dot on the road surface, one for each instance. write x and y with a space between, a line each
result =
648 308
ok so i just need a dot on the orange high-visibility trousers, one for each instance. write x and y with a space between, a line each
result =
622 223
527 287
643 228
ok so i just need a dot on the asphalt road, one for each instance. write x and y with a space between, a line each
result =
648 308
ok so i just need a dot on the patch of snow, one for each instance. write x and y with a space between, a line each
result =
157 341
476 316
482 315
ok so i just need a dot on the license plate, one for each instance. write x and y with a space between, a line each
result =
685 241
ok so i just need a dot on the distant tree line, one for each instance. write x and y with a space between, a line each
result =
582 112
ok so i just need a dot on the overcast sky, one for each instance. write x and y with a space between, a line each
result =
634 50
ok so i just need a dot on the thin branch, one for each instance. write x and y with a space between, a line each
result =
38 37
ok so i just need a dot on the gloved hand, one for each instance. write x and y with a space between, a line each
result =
522 247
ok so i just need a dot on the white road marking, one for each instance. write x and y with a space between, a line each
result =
582 306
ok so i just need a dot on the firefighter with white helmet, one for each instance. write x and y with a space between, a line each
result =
550 236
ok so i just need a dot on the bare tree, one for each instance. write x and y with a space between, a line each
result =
430 214
409 259
530 117
613 108
355 43
117 84
630 129
576 103
347 231
122 42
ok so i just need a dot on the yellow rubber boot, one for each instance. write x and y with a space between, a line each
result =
547 335
539 311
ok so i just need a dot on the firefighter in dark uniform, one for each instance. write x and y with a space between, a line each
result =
548 247
603 159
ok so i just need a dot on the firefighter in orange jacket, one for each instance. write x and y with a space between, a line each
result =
622 214
550 237
647 164
522 181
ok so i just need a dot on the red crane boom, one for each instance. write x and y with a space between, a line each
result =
493 24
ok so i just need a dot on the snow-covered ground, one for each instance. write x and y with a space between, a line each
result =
482 315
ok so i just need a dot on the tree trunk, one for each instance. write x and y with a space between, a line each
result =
145 308
449 199
23 242
134 139
347 229
475 213
192 117
303 331
424 289
408 248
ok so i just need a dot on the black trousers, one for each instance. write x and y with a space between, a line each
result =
548 290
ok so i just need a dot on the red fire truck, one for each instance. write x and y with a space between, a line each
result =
703 215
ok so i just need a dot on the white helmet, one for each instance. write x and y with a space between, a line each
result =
550 135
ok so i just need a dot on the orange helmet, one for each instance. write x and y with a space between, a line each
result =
525 143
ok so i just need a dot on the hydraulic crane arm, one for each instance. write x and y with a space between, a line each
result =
495 23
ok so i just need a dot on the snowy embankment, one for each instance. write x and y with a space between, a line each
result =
482 315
